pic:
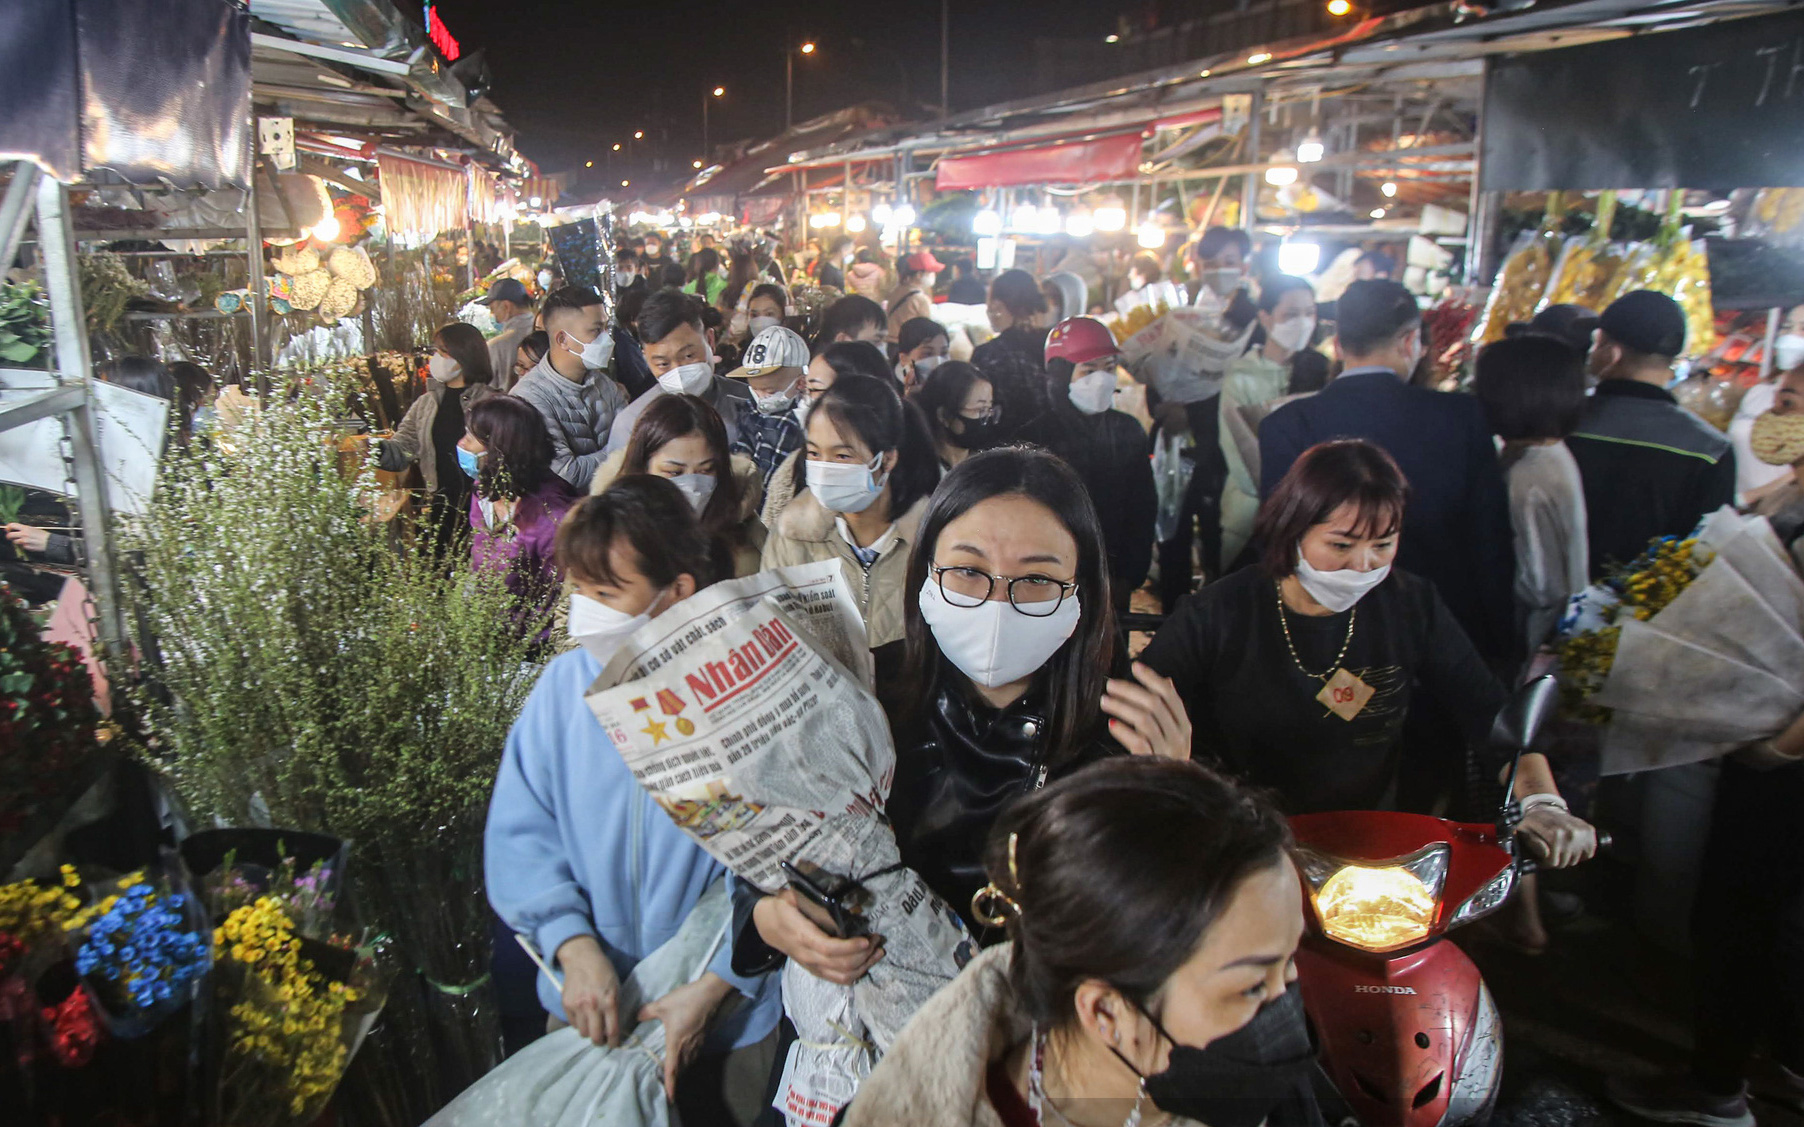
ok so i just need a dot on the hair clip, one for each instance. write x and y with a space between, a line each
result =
988 902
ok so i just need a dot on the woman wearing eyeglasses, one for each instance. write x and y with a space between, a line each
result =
1004 682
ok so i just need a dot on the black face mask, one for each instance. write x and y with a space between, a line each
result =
978 434
1241 1079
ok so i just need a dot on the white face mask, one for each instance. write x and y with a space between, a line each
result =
844 487
926 364
1093 394
624 278
595 353
995 644
1788 351
599 628
1338 590
698 487
759 324
688 379
442 368
1224 280
776 402
544 279
1293 334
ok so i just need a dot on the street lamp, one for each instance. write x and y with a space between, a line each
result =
717 92
639 135
789 81
616 146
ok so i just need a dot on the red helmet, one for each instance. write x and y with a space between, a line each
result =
1080 339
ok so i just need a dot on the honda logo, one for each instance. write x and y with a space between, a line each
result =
1384 989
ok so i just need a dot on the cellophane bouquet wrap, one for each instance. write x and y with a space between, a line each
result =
744 711
1693 651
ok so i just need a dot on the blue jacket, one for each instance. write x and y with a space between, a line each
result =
1456 528
575 846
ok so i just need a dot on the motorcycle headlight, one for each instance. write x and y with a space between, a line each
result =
1380 906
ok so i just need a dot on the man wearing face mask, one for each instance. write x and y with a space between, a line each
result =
571 386
1650 467
1456 531
680 354
1106 447
774 363
511 306
654 259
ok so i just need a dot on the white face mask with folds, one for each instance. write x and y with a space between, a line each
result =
846 487
1338 590
994 644
689 379
600 629
1093 393
595 353
1293 334
698 487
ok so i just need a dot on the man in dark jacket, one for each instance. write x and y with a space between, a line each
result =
1107 448
1650 467
1456 530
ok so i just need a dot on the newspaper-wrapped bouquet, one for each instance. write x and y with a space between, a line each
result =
1691 652
744 711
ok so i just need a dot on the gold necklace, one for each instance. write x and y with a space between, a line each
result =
1284 621
1343 693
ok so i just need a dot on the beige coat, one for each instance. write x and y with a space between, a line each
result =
905 305
805 532
935 1072
751 495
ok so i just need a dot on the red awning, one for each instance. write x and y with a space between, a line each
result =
1106 158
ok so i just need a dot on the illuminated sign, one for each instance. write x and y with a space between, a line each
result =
435 31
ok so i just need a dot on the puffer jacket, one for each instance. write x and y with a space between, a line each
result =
806 532
747 554
577 415
936 1070
413 438
959 763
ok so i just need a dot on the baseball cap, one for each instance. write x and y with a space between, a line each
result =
922 260
1570 323
775 347
506 289
1646 322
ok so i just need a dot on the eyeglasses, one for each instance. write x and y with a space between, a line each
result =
1037 596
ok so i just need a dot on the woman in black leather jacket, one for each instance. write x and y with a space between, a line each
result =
1003 682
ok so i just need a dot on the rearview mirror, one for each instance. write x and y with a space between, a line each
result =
1521 718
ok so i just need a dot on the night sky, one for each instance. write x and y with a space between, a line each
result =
573 77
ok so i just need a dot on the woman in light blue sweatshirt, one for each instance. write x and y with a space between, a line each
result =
577 856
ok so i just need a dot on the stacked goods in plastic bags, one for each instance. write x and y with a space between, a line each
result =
1590 269
1524 277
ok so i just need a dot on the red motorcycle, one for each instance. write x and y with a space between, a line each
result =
1408 1032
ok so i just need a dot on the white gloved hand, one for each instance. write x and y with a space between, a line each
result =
1556 838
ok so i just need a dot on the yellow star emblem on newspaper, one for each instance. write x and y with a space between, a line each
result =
655 729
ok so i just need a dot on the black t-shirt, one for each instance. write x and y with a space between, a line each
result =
1254 711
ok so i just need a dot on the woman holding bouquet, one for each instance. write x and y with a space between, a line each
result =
1003 684
579 858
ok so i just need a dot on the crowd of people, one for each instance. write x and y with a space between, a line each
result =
1381 560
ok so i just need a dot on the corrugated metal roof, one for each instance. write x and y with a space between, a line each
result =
306 19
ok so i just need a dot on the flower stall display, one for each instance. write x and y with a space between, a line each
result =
1691 652
48 720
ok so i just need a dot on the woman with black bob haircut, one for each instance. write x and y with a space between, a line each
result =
960 406
1014 360
1002 685
1152 913
860 485
1533 391
922 345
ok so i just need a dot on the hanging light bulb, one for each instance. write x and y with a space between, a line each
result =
326 230
1377 213
1152 236
986 223
1025 218
1299 258
880 215
1281 175
1109 218
904 216
1079 225
855 223
1310 149
1049 221
1389 188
